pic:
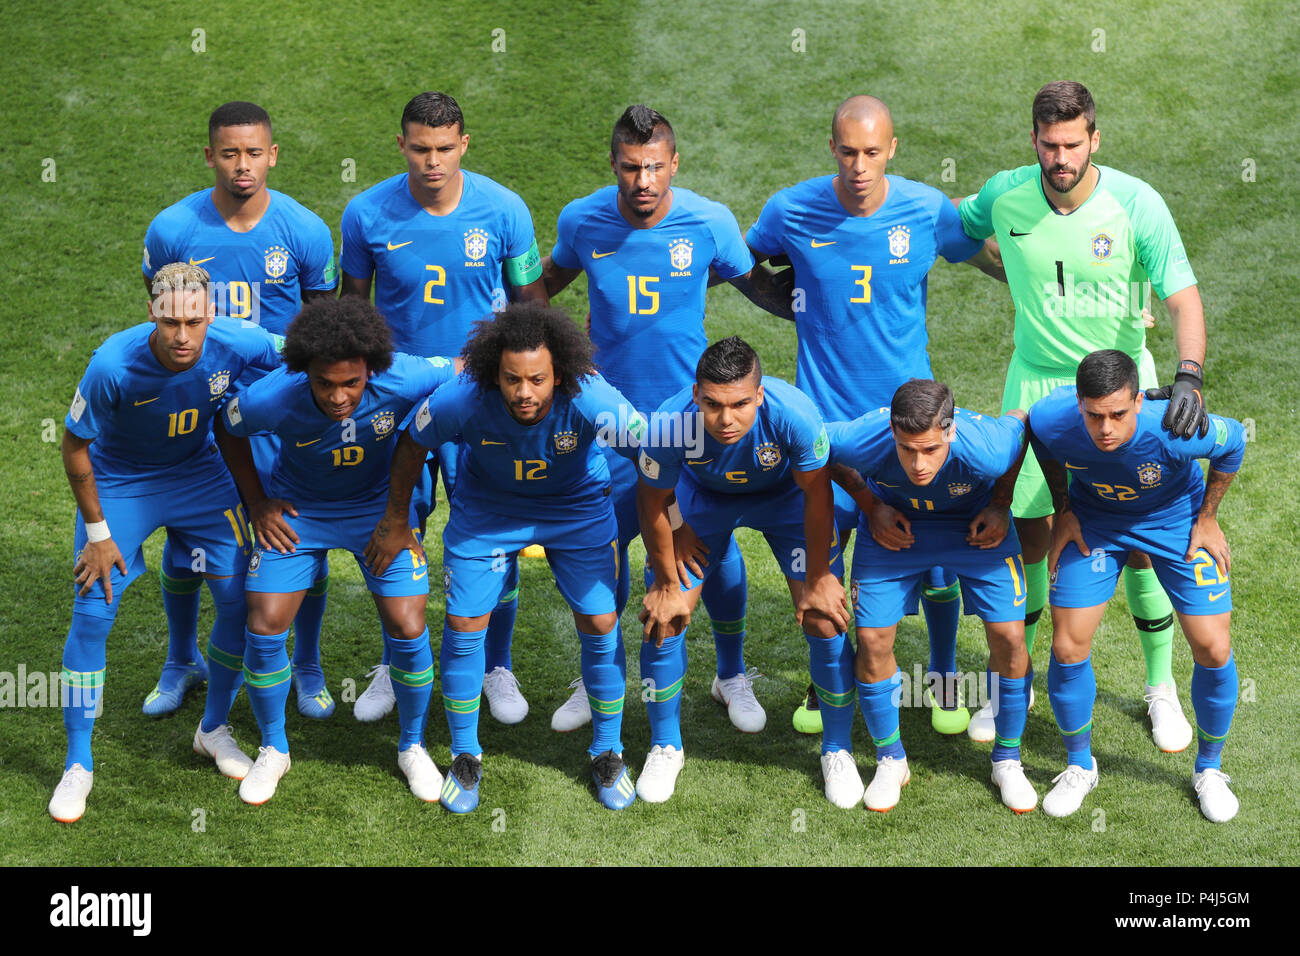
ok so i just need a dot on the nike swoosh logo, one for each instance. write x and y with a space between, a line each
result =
601 255
416 575
698 461
1215 597
391 247
486 442
1076 467
1018 234
148 400
304 444
1020 602
818 245
199 262
884 485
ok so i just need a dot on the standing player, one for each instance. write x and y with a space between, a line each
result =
862 243
529 413
1079 243
1135 486
139 455
267 254
650 251
943 470
336 406
440 244
762 464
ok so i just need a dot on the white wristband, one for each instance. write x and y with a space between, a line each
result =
97 531
674 515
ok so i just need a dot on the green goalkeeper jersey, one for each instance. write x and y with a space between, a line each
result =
1079 281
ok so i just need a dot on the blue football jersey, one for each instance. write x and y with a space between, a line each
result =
646 287
981 451
326 461
862 327
524 471
787 433
435 276
151 428
257 275
1154 475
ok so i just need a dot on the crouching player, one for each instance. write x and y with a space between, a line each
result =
531 412
139 455
944 478
1134 486
336 406
760 463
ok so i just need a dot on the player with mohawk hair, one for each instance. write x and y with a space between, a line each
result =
650 250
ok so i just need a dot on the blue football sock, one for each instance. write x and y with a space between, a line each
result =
181 593
941 605
724 594
1072 689
664 668
1009 718
1214 698
386 658
879 702
461 661
225 650
412 673
831 664
605 682
501 625
266 675
306 632
84 657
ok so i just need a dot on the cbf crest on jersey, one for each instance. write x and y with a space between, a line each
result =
900 241
218 382
679 254
768 455
565 442
476 244
958 488
383 423
1101 246
277 261
1149 474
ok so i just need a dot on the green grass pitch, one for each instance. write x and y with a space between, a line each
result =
106 106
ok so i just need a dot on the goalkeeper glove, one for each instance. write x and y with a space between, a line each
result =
1186 415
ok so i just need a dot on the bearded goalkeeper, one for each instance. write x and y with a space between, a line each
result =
1081 244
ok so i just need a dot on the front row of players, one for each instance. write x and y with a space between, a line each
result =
531 416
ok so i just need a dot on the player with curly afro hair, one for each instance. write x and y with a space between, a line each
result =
527 327
336 330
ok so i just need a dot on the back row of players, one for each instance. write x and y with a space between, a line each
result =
439 244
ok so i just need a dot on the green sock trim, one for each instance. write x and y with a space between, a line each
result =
669 692
1209 738
459 706
1075 733
729 627
1007 741
82 678
411 678
270 679
509 596
942 595
319 588
831 699
227 660
886 741
607 707
179 585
